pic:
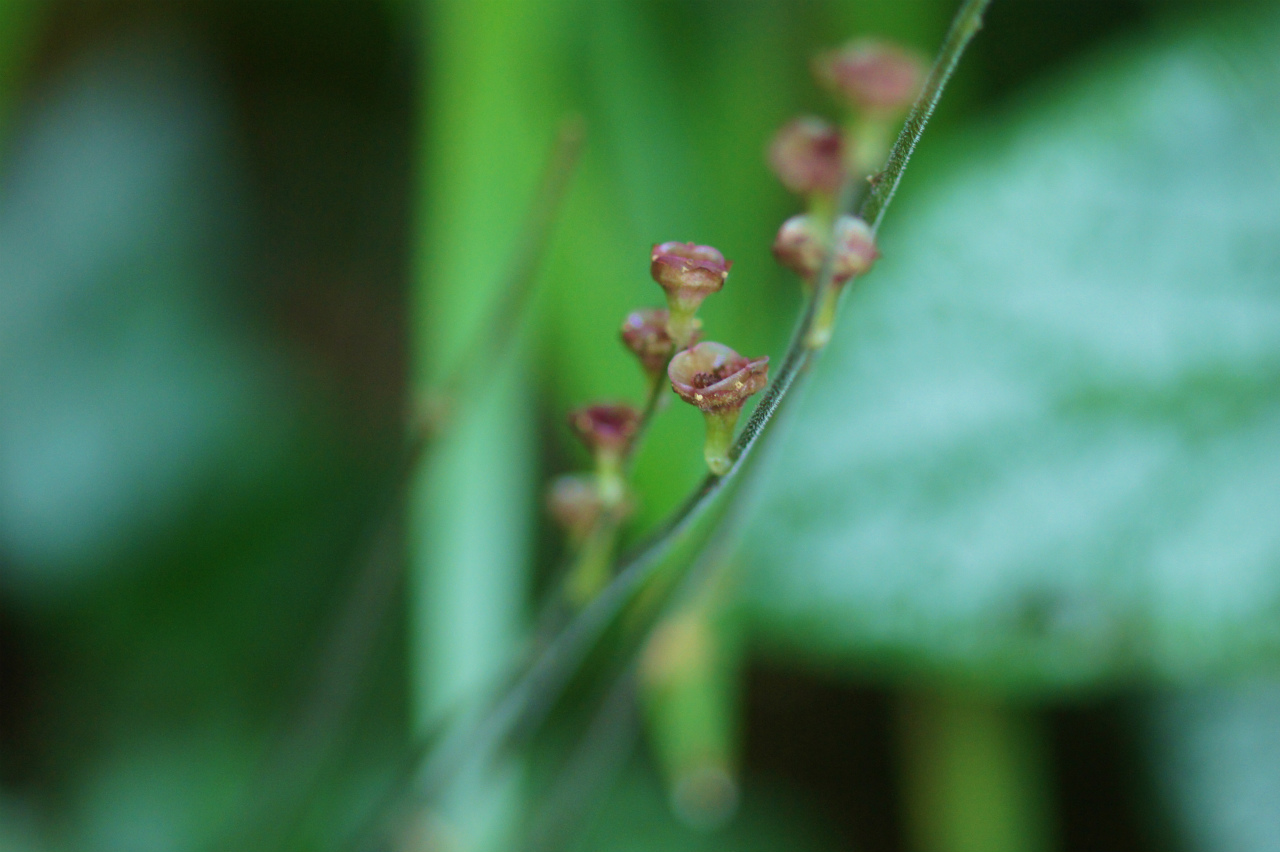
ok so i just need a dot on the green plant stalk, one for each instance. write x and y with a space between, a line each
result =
690 689
489 90
590 570
522 705
720 426
974 777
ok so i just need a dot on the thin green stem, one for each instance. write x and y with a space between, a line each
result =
964 27
652 403
586 575
491 340
974 777
300 752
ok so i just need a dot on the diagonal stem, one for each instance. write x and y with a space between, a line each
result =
964 27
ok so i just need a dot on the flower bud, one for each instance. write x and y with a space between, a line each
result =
573 501
808 156
801 247
688 273
876 77
644 332
718 381
607 430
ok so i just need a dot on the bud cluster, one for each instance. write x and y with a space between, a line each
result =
666 344
877 81
812 158
803 243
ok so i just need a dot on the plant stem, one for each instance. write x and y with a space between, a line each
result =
967 22
964 26
492 84
591 567
652 403
493 337
973 775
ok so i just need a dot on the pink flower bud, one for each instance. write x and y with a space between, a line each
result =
801 247
874 76
714 377
606 429
688 273
689 270
644 332
718 381
808 156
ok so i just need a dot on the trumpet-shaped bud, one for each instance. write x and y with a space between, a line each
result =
607 430
801 246
644 332
875 77
808 157
573 501
688 273
718 381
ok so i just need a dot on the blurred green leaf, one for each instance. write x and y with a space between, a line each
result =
129 391
1215 758
635 818
161 792
1042 451
494 106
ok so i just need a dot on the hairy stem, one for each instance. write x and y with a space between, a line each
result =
964 27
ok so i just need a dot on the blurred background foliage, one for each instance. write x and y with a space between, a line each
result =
1008 573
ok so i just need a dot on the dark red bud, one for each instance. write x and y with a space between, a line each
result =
644 332
606 428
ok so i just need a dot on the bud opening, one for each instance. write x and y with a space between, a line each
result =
607 430
644 332
718 381
688 273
